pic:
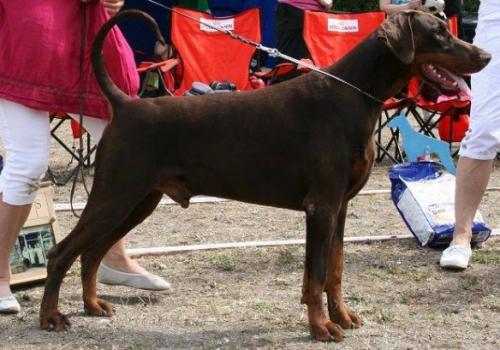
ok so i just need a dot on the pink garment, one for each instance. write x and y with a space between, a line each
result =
40 56
313 5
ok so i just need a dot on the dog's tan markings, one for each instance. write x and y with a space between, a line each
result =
98 307
321 327
337 309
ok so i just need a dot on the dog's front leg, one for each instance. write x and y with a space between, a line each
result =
319 220
337 309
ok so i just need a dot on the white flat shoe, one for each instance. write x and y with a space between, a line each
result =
455 257
149 281
9 305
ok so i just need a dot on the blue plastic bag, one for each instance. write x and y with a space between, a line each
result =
423 193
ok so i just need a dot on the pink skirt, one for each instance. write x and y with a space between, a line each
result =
40 56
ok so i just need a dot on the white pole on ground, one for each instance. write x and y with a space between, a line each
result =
172 250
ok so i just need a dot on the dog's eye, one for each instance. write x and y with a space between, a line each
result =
438 31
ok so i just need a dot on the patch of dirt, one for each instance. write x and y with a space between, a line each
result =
250 298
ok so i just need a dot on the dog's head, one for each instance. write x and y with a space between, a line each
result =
424 43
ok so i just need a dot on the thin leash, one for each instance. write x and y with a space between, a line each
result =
81 159
272 52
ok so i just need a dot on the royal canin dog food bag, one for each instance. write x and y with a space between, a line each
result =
424 194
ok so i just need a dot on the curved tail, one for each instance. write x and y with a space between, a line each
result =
108 87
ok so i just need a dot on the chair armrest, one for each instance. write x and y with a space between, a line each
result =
278 70
164 66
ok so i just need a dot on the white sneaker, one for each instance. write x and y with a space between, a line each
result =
455 257
9 305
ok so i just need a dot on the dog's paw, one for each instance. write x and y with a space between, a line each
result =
345 318
98 307
328 331
54 321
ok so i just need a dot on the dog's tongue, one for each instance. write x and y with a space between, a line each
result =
462 85
446 79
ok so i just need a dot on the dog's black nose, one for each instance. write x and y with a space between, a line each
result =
484 57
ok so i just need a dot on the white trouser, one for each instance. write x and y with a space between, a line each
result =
482 140
25 133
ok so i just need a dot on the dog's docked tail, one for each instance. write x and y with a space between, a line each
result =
108 87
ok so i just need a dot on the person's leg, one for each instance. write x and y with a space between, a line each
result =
25 134
12 218
471 182
116 260
479 146
289 39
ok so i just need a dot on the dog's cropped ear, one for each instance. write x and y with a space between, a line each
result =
397 32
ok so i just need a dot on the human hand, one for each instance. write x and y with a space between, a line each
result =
307 61
415 4
113 6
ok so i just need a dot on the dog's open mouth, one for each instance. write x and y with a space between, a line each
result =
444 80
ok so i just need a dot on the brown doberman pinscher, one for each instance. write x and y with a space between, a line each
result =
306 144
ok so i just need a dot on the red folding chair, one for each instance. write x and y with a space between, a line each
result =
203 54
206 54
330 36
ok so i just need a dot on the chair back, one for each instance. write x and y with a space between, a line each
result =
330 36
453 24
207 54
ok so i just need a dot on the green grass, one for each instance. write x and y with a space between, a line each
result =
492 304
382 315
471 280
259 305
387 315
287 257
439 319
491 257
391 270
354 297
225 262
406 299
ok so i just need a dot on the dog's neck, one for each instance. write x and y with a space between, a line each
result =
373 68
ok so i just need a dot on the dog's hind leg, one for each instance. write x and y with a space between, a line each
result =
320 227
92 257
338 311
60 260
109 205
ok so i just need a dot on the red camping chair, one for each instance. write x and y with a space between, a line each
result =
204 54
330 36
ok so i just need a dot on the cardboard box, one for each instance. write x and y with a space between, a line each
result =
28 258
